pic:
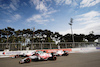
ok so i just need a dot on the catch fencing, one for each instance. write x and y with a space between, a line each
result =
46 45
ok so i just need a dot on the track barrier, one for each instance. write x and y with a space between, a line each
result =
70 50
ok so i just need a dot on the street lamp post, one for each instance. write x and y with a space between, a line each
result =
33 39
71 21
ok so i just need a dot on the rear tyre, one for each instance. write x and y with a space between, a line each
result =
66 54
28 60
16 56
54 58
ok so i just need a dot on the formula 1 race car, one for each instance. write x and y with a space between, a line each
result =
61 53
39 55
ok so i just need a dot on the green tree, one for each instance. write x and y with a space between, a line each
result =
91 37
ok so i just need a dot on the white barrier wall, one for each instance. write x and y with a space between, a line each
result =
16 52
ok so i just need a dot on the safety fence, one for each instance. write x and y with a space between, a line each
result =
46 45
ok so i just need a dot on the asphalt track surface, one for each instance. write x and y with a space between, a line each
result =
73 60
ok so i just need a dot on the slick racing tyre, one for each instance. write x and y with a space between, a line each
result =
16 56
28 60
54 58
66 54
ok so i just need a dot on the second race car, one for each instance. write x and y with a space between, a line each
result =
61 53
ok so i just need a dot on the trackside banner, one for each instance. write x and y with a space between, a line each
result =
86 49
16 52
97 47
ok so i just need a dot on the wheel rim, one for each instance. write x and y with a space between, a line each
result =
28 60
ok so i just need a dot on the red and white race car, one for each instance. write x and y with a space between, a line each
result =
61 53
39 55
